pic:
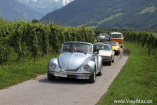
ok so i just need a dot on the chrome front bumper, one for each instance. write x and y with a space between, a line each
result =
106 59
70 74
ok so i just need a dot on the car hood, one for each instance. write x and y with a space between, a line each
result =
102 37
115 47
71 61
104 53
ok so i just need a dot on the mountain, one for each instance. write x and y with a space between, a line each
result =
45 6
13 10
132 14
29 9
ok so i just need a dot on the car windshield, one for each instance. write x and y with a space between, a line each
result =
113 43
116 35
77 47
102 34
103 47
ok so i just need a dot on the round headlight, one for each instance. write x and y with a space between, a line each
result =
52 65
86 67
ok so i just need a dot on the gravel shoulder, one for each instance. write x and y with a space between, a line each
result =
40 91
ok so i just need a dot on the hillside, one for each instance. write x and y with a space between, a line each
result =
13 10
133 14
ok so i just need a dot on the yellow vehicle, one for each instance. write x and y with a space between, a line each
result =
117 37
115 46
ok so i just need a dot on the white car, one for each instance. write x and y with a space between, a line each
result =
102 37
106 51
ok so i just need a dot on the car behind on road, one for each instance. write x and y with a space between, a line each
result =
117 37
115 46
106 51
102 37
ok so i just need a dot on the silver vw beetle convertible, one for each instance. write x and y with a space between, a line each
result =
76 60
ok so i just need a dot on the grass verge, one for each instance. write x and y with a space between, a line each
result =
137 81
13 72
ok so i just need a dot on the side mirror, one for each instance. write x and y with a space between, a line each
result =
96 52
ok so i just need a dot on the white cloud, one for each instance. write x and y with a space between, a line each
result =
34 0
56 0
65 2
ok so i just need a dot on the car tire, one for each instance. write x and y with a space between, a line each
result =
113 60
100 73
92 77
50 77
110 62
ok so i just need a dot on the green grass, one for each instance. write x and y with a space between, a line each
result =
13 72
148 9
136 81
110 18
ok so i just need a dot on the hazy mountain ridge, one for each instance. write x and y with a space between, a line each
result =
45 6
137 14
13 10
28 10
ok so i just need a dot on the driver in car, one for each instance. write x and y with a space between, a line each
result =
72 48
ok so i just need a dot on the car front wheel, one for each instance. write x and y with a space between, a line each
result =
113 60
117 53
110 62
50 77
100 73
92 77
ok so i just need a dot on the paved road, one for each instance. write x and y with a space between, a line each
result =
40 91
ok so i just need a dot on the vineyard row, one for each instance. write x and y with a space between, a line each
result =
37 37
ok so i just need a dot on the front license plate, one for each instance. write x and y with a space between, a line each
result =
82 77
60 73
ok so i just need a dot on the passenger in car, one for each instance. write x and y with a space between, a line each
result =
87 49
72 48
